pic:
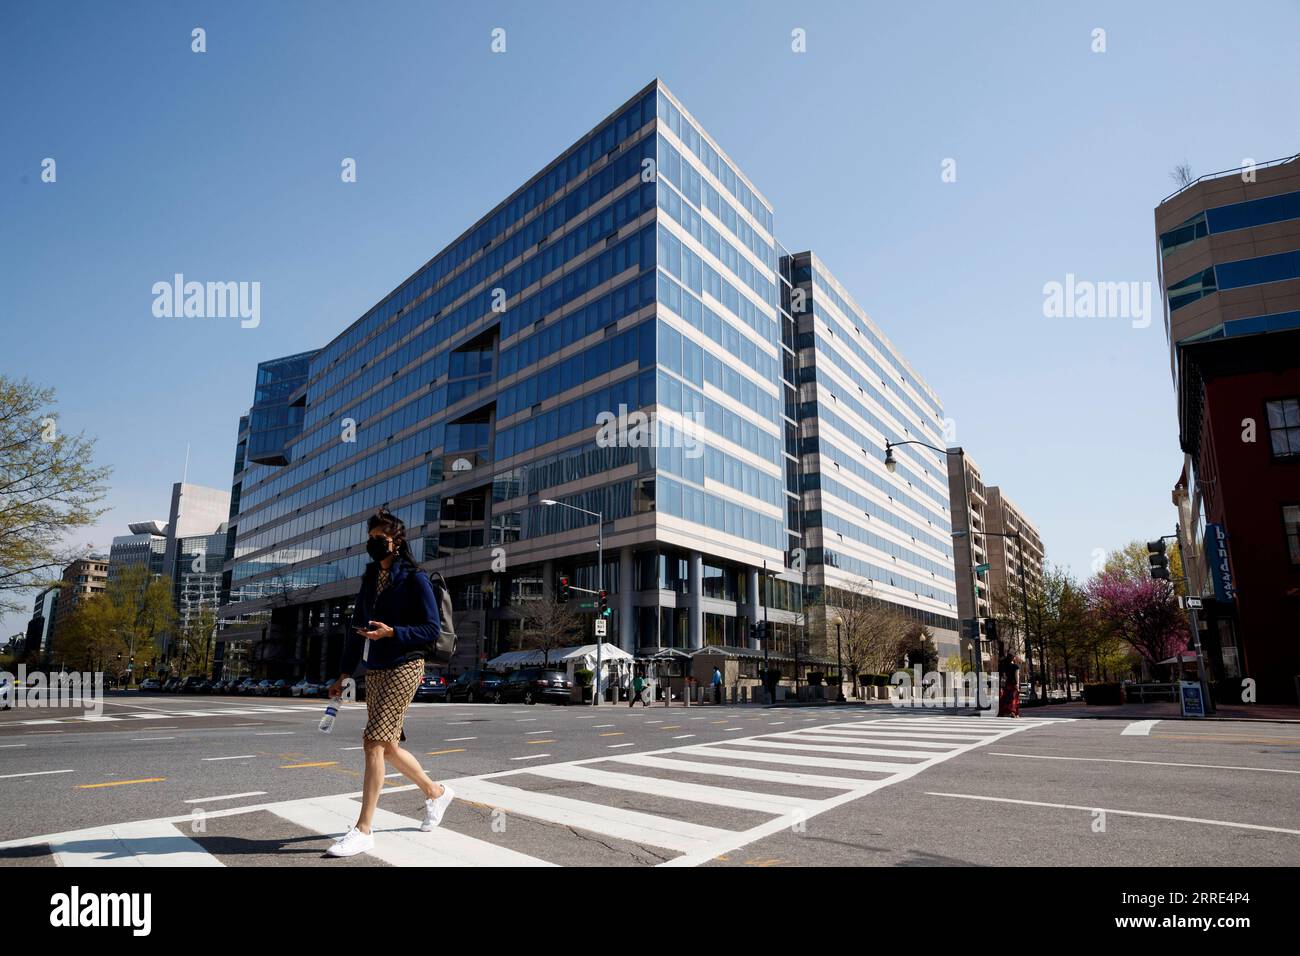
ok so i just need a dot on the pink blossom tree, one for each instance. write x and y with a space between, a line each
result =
1142 612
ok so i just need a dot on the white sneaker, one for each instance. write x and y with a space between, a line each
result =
434 809
352 843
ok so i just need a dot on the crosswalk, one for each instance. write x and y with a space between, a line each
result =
169 714
677 806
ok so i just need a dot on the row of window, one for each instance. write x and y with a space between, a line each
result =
700 507
590 150
811 372
575 416
572 464
636 344
675 394
685 131
875 574
817 517
761 280
674 454
817 481
615 260
1234 275
577 325
834 348
679 354
901 470
597 229
700 277
703 319
1238 215
824 287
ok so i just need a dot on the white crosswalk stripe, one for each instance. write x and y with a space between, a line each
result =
245 711
783 775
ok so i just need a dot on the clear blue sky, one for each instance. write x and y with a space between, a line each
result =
225 166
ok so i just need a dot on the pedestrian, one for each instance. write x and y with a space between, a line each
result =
624 683
717 685
638 685
395 622
1009 698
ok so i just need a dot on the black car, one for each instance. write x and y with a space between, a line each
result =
195 685
279 688
531 684
433 686
474 686
173 686
246 685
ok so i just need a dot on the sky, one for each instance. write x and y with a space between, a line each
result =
225 166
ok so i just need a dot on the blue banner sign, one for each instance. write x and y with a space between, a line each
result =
1216 555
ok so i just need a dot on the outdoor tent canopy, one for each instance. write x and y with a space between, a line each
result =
560 656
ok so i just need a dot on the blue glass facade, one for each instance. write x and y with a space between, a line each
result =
638 272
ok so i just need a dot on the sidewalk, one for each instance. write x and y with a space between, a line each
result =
1167 710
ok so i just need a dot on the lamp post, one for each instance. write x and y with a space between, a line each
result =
600 576
890 466
839 666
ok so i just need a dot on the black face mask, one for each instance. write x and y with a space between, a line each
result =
377 548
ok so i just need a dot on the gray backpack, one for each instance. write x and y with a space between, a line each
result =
444 648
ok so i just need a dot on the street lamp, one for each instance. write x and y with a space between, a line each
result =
600 576
839 665
890 466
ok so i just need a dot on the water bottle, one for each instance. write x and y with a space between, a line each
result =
331 711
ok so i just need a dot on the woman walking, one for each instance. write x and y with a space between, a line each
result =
1009 699
394 623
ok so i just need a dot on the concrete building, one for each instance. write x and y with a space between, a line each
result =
83 579
1008 557
495 402
1228 255
145 546
968 517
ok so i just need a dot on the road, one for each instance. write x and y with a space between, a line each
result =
166 780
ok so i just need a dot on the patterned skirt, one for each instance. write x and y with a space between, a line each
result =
388 694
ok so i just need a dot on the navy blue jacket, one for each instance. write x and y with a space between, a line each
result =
407 606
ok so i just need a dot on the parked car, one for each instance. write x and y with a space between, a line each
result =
263 687
226 685
172 686
246 685
149 683
531 684
5 693
278 688
195 685
433 687
473 686
299 689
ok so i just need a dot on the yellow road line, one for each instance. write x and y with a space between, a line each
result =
551 741
672 727
119 783
296 766
437 753
610 733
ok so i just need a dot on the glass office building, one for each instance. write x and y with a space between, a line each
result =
636 274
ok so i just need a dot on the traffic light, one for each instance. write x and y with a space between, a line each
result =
762 631
1158 559
564 588
604 604
991 629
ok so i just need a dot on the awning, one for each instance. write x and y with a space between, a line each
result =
1184 657
583 653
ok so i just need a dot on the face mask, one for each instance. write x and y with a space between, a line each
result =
377 548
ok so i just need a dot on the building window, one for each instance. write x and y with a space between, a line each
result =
1284 427
1291 522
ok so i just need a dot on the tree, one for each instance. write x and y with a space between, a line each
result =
49 486
1181 174
1132 561
1144 613
869 629
545 625
917 645
200 638
90 637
